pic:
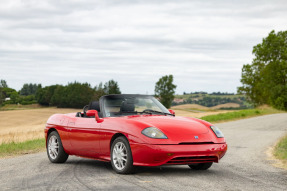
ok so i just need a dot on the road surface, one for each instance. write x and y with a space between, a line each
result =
244 167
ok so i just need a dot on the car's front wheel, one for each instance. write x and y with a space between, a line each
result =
200 166
121 156
55 150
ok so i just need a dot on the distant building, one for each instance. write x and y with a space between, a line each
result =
7 99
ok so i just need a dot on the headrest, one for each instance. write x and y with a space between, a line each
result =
126 106
94 105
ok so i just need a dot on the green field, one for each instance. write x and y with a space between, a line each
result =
240 114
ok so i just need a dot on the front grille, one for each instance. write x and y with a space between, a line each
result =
189 160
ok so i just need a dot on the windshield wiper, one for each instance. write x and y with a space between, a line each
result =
121 112
150 110
145 112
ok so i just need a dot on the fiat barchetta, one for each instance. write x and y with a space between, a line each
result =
133 130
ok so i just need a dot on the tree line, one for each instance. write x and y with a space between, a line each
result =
210 101
15 97
205 93
73 95
76 95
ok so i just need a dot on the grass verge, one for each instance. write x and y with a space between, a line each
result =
223 117
27 147
280 151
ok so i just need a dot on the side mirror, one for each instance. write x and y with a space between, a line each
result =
91 113
171 111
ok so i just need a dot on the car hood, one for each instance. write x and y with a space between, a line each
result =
177 129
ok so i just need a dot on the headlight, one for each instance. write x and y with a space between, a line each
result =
153 132
217 132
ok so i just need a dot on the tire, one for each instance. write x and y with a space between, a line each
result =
121 156
55 150
200 166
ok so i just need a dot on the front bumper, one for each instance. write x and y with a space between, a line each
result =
156 155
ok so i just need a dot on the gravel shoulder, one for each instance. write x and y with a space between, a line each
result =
245 167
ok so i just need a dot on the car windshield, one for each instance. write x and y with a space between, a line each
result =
123 105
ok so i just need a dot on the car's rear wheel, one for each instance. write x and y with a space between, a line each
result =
200 166
55 150
121 156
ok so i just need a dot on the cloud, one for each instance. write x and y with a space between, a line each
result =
204 44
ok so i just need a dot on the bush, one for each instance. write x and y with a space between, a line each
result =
74 95
28 102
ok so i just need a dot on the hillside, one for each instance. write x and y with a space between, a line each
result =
213 101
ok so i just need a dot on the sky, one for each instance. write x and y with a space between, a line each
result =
203 44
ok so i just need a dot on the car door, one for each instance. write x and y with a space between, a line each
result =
84 136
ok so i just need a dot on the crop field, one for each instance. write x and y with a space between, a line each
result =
28 124
226 105
190 107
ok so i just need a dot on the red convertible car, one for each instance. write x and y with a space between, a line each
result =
133 130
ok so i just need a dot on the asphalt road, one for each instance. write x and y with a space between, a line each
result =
244 167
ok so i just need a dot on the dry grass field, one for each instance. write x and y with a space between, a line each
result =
226 105
190 107
195 110
22 125
198 114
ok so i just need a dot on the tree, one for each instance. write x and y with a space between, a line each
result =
265 80
3 84
7 92
14 96
165 89
30 89
99 91
44 95
112 87
74 95
1 96
59 97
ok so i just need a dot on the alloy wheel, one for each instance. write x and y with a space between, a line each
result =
53 147
120 155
